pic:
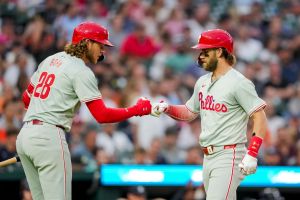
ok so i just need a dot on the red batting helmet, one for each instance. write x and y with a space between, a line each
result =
92 31
215 38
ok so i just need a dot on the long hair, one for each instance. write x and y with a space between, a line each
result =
230 58
77 50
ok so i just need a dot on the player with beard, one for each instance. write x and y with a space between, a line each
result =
225 100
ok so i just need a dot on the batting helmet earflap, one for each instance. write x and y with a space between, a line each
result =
92 31
215 38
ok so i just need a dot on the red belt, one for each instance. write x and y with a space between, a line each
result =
212 149
39 122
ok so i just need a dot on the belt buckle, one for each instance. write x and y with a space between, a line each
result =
210 149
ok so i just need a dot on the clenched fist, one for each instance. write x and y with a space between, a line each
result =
248 165
143 106
158 108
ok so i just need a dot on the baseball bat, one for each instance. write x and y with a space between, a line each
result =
9 161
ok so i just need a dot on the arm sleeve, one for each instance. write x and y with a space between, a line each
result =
247 97
181 113
104 114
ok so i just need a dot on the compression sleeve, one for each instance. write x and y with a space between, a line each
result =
104 114
181 113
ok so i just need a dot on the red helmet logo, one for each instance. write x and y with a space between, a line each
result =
215 38
92 31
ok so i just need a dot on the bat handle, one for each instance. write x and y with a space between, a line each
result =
9 161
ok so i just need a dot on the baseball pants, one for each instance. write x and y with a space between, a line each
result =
221 175
46 161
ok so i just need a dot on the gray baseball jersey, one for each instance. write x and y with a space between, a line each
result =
225 106
61 83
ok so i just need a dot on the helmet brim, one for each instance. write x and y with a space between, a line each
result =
203 46
106 42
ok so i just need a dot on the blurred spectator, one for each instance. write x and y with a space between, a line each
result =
154 152
190 192
114 142
189 135
194 156
49 11
179 61
33 34
247 48
294 103
162 10
140 156
296 161
277 89
83 153
285 144
97 12
271 157
290 65
138 44
135 193
275 121
157 69
270 194
117 33
15 56
101 157
201 20
67 21
8 150
136 10
170 149
76 132
9 117
175 24
269 53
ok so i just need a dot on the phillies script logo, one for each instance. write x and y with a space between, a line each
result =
209 104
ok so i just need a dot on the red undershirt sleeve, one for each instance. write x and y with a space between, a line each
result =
27 95
104 114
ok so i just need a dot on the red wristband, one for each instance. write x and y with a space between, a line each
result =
254 146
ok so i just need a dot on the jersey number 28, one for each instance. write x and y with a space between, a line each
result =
45 82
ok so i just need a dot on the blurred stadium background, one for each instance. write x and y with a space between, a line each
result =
152 58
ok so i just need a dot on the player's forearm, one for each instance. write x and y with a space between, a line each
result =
181 113
109 115
259 123
259 131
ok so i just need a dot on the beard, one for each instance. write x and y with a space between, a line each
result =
90 58
210 66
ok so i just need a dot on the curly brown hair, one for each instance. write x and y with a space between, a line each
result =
77 50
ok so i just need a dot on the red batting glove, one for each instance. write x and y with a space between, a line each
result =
142 107
249 162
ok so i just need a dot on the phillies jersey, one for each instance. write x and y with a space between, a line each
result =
61 82
225 106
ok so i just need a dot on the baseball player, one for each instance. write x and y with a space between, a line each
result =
225 100
61 82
